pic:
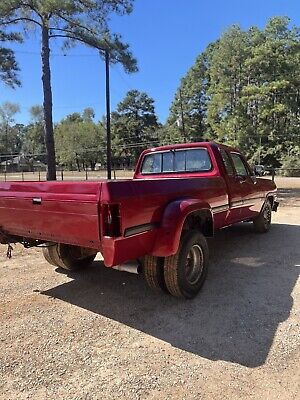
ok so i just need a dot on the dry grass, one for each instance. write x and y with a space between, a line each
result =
67 175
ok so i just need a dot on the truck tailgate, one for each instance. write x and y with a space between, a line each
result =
66 212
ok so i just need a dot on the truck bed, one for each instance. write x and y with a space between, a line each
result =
71 212
52 211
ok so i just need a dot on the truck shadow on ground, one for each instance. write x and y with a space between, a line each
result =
234 318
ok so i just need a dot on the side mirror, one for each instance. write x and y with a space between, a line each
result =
258 170
253 178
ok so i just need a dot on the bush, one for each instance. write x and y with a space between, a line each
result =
290 165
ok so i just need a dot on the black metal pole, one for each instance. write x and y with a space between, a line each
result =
6 146
182 116
108 131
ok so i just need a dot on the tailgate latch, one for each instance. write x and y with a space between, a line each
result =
37 200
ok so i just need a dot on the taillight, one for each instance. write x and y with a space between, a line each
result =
111 220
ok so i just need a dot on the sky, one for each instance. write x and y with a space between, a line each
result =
165 36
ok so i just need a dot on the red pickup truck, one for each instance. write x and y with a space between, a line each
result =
179 195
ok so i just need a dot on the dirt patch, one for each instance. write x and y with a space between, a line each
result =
289 197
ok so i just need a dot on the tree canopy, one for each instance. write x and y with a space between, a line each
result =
84 21
244 90
10 132
190 101
80 141
134 125
34 141
9 67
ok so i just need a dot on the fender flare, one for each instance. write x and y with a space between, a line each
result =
169 233
269 196
272 196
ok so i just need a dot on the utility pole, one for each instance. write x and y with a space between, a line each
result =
259 149
182 116
6 145
108 130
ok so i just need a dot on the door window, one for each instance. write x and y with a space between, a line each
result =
239 165
227 162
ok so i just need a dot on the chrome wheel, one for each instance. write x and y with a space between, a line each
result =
267 213
194 264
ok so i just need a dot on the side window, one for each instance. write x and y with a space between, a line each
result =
239 165
168 161
152 164
227 162
179 161
197 160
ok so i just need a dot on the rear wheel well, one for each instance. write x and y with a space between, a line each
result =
199 220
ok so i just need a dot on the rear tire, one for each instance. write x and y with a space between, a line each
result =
153 270
186 271
71 258
51 255
262 223
46 254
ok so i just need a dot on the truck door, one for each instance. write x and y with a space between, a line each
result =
250 196
233 188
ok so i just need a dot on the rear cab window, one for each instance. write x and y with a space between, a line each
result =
177 160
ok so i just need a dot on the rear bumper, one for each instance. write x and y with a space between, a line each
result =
119 250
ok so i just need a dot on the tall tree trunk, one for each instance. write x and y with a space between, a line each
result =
48 121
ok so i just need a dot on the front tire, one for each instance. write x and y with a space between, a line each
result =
262 223
186 271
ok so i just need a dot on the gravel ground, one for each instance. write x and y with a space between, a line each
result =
102 334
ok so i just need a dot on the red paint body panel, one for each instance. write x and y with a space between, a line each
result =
68 212
145 201
152 209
